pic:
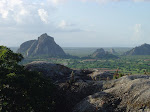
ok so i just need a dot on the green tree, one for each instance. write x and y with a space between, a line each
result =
21 90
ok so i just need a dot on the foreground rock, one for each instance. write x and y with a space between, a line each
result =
70 91
99 75
82 94
57 72
78 91
127 94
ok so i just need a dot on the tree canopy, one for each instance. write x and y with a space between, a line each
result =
21 90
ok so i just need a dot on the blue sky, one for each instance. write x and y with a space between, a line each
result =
76 23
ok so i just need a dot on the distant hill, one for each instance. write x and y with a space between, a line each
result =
140 50
102 54
85 51
44 46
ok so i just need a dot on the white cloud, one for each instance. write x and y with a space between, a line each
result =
43 15
21 11
12 10
4 13
25 10
20 19
8 6
62 24
56 2
137 37
137 28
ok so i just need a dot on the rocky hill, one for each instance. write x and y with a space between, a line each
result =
44 46
140 50
102 54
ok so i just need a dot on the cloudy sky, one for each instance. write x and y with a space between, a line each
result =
76 23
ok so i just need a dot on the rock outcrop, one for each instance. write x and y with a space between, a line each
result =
102 54
127 94
77 92
57 72
140 50
44 46
77 89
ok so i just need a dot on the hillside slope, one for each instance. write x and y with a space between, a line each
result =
140 50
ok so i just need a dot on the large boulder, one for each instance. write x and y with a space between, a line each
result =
126 94
57 72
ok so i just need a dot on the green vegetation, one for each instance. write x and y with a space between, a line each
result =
125 64
129 64
21 90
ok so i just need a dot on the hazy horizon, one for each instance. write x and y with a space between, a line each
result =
78 47
76 23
